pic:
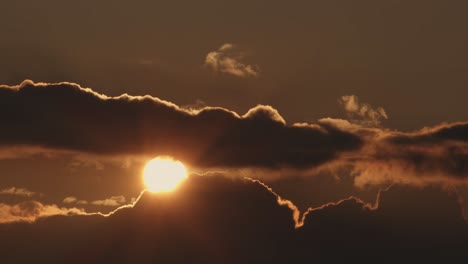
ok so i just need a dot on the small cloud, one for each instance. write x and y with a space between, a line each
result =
361 113
17 192
113 201
227 60
69 200
74 200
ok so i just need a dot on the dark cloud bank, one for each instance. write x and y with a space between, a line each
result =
218 220
66 116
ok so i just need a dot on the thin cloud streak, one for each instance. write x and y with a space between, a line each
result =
17 192
31 211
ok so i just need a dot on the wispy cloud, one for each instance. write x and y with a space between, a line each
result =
112 201
433 155
30 211
17 192
361 113
72 199
228 60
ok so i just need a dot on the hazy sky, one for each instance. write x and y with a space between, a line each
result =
350 114
410 57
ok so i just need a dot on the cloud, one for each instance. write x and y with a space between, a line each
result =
112 201
228 60
74 200
362 113
67 117
69 200
217 138
214 218
430 155
17 191
30 211
438 151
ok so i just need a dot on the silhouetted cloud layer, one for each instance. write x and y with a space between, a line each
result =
214 219
65 116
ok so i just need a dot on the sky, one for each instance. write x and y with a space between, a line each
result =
306 128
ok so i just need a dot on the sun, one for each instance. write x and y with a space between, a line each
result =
163 174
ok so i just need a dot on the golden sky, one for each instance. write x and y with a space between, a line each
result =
297 129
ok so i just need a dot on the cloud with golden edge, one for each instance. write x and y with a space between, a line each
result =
227 59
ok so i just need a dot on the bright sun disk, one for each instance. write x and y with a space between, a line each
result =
163 174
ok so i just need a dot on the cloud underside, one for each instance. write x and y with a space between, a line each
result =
215 219
67 117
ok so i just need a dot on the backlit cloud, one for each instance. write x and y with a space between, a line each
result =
435 154
215 137
74 200
17 192
228 60
66 117
362 113
112 201
30 211
430 155
239 216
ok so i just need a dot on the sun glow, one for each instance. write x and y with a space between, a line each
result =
163 174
